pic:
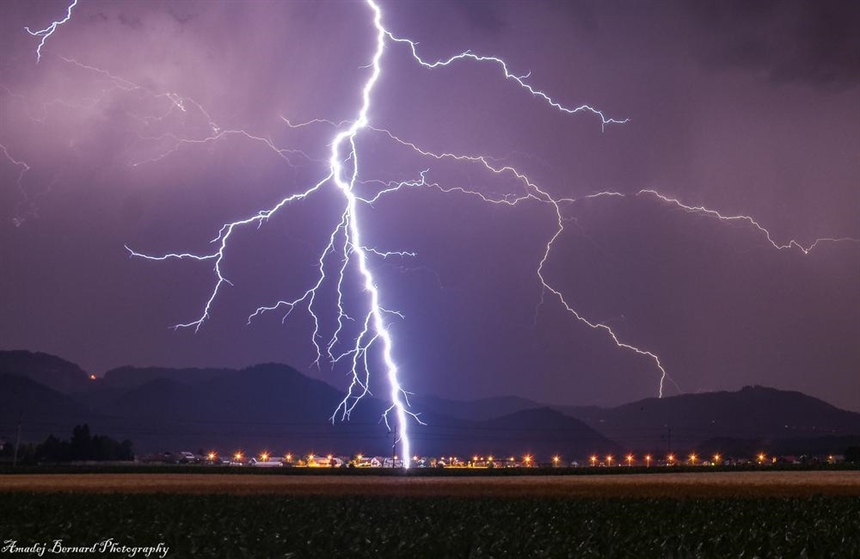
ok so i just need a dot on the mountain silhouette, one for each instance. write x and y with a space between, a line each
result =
125 378
40 410
686 421
274 407
475 410
48 370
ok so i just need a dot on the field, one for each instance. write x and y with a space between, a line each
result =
764 514
705 484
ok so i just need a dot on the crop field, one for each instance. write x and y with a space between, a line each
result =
748 514
706 484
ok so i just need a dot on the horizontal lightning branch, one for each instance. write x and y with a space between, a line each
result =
521 80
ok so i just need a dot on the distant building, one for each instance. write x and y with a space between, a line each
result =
265 463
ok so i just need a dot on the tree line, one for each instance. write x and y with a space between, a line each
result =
81 447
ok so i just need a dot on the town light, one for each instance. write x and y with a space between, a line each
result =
359 457
289 457
555 460
211 456
609 460
629 459
693 459
264 456
237 456
527 459
593 461
716 458
647 460
670 458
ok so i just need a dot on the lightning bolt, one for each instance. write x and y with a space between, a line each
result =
346 250
531 192
534 193
346 240
746 219
18 220
48 31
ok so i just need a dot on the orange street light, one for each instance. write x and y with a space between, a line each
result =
629 459
716 459
264 456
593 460
211 456
609 460
761 458
555 460
237 456
289 457
693 459
527 459
670 459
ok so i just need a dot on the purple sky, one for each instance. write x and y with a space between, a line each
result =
120 135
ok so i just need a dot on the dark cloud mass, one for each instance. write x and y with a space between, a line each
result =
151 124
817 43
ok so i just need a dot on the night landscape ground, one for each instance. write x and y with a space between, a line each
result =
722 514
706 484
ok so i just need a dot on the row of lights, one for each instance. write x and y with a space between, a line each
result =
670 459
265 456
527 459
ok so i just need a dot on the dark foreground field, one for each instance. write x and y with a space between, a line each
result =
763 514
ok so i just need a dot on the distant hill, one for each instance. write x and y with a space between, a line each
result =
540 432
475 410
268 406
125 378
274 407
48 370
686 421
40 409
753 417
